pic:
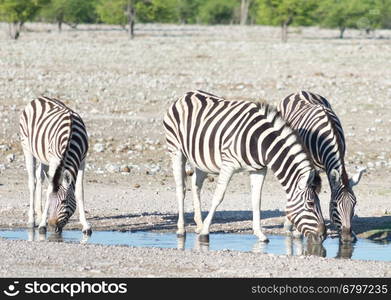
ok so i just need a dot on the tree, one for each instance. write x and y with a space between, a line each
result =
162 11
217 11
119 12
131 13
188 11
378 13
344 14
71 12
285 13
18 12
244 7
383 13
112 12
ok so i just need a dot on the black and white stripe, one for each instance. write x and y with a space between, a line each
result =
55 144
321 131
224 137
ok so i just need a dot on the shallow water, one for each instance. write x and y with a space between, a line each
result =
363 249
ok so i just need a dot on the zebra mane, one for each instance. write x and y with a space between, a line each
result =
55 102
344 175
274 116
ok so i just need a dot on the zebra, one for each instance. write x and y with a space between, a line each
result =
321 131
225 137
55 143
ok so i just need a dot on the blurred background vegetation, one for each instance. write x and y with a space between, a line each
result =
367 15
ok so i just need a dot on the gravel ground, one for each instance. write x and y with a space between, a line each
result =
121 88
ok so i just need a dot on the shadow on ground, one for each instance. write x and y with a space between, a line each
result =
226 221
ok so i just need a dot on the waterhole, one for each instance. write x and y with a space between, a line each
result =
363 249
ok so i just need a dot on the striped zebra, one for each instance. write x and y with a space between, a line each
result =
55 143
224 137
321 131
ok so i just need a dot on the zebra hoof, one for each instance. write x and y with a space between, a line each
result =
42 230
87 232
203 238
264 240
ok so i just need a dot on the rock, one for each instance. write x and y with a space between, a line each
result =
10 157
125 169
136 185
99 147
139 147
121 148
4 147
112 168
153 169
382 234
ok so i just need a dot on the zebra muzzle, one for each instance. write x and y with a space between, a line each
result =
319 236
347 235
52 222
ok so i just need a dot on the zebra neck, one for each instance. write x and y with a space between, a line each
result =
329 159
297 177
289 164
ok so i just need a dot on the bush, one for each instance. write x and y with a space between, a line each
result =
217 11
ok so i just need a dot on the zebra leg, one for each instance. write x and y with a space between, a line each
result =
196 185
178 166
42 224
50 174
288 227
257 179
40 177
79 193
30 166
225 175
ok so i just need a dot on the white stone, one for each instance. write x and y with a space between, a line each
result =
99 147
112 168
10 157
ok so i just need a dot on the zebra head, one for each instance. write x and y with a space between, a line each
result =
343 202
62 203
303 208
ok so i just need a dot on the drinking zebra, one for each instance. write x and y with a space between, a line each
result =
55 144
321 131
224 137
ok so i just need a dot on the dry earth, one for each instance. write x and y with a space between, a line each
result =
121 89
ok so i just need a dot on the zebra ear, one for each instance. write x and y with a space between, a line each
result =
355 179
311 177
335 178
314 181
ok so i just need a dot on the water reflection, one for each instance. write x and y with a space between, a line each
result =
33 235
289 245
260 247
315 249
181 242
200 246
279 245
345 250
294 245
55 237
